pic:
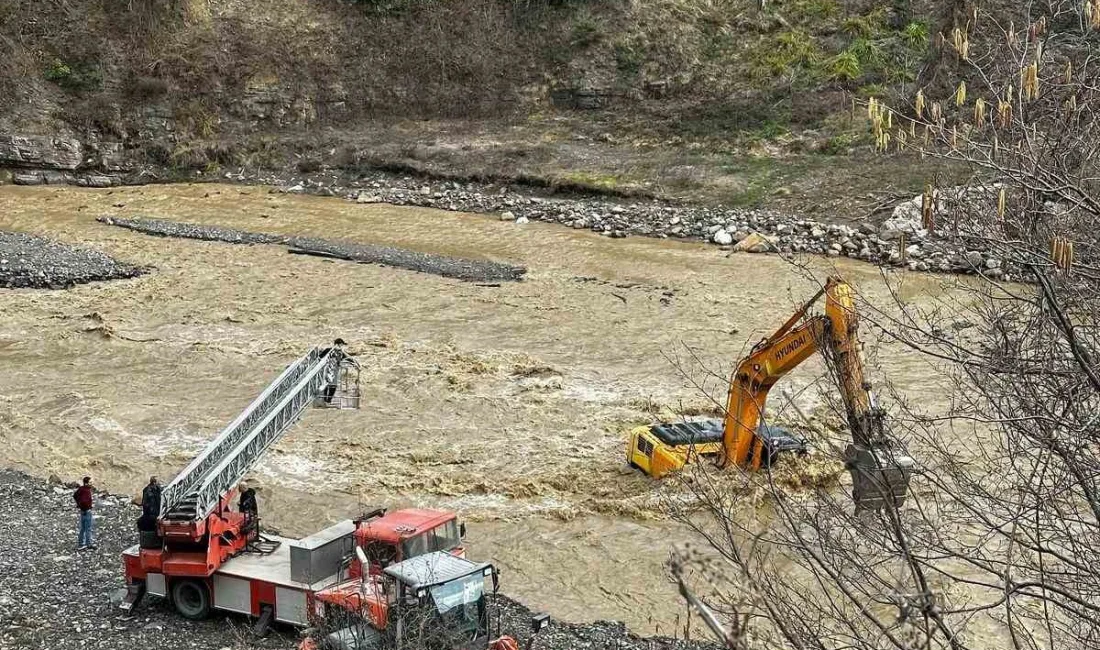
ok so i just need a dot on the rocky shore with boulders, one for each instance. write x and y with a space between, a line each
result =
899 241
53 596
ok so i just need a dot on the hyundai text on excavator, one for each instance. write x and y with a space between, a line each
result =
204 556
880 469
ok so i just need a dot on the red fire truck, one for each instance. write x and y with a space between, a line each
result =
277 579
202 555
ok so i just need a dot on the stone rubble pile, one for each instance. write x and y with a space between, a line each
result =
29 261
450 267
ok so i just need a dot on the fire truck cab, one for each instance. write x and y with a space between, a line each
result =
389 538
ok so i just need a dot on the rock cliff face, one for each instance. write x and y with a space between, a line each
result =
41 152
38 160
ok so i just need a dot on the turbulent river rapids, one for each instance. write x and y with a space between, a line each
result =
507 403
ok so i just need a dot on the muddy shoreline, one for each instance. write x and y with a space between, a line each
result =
578 206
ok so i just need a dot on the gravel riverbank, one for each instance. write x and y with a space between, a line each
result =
899 241
52 596
450 267
29 261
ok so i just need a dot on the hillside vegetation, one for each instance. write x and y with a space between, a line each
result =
205 84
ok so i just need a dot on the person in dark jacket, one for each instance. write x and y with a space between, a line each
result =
83 498
248 506
330 390
150 506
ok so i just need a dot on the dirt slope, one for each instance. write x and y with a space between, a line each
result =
699 99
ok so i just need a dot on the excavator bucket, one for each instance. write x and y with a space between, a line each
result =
880 476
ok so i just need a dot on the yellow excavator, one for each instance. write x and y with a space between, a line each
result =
880 469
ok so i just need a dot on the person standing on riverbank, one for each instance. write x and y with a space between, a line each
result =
83 498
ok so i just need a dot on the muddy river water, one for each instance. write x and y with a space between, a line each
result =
505 403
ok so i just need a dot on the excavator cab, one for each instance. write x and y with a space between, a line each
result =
663 448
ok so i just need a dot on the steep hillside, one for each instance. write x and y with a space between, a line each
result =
690 98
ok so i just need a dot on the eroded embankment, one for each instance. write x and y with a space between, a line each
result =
448 267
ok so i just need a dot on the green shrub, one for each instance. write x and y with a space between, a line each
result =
915 35
77 77
769 130
629 55
872 90
815 9
789 50
867 25
798 47
585 32
838 144
58 71
844 67
867 52
858 27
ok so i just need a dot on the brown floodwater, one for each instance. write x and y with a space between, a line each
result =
507 404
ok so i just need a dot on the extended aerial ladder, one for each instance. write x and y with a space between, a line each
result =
203 556
196 530
880 469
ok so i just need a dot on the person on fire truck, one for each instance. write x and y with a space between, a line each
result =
247 505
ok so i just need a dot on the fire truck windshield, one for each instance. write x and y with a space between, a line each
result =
443 537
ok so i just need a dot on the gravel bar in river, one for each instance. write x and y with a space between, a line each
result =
450 267
30 261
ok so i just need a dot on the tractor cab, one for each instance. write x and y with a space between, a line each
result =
435 601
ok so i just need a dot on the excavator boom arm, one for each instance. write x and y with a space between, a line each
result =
754 377
880 472
836 334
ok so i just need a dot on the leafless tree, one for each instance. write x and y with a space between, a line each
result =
997 545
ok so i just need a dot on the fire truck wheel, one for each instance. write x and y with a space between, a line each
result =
191 598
